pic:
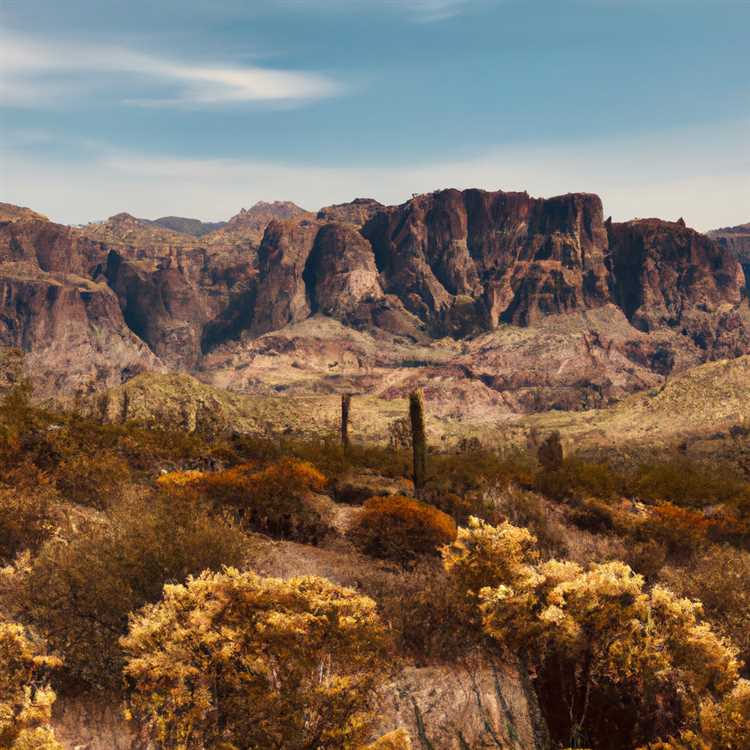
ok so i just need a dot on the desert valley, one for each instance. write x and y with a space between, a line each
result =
173 398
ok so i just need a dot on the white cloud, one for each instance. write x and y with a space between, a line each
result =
423 11
701 174
34 71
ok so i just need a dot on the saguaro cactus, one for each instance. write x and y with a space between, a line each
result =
346 401
418 439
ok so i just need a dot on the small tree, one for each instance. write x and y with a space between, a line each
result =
234 661
418 440
25 697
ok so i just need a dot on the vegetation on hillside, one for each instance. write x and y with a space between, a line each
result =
133 570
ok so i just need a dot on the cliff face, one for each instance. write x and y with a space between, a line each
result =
451 264
737 241
518 258
666 275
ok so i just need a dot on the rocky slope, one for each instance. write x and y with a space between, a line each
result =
736 240
495 300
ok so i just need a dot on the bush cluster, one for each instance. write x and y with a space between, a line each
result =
272 501
79 591
401 529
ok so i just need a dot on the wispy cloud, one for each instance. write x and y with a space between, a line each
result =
665 174
421 11
33 71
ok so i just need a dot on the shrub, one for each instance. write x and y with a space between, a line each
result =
576 479
27 519
271 501
602 644
529 510
684 532
401 529
459 474
398 740
723 725
421 611
94 480
484 555
720 578
593 515
647 558
686 482
79 592
25 697
234 660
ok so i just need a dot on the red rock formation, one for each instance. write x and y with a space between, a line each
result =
451 263
521 257
358 212
666 275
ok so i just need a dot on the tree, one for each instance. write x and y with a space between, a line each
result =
25 697
235 661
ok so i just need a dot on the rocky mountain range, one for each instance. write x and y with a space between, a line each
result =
500 303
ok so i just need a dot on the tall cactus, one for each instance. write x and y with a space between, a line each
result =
418 440
346 401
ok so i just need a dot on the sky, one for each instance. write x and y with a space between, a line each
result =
200 107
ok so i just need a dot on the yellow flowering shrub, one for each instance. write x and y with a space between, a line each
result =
25 698
609 653
398 740
180 478
724 725
233 660
401 529
483 556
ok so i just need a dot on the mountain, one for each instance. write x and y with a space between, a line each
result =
500 303
194 227
737 240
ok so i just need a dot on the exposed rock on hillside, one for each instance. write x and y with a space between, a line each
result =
497 273
737 241
358 212
188 226
9 212
510 257
72 330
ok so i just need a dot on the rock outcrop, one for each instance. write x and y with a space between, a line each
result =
500 257
736 240
585 311
358 212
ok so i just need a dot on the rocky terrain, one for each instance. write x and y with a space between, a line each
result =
737 240
500 303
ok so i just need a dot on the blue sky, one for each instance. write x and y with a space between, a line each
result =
200 107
